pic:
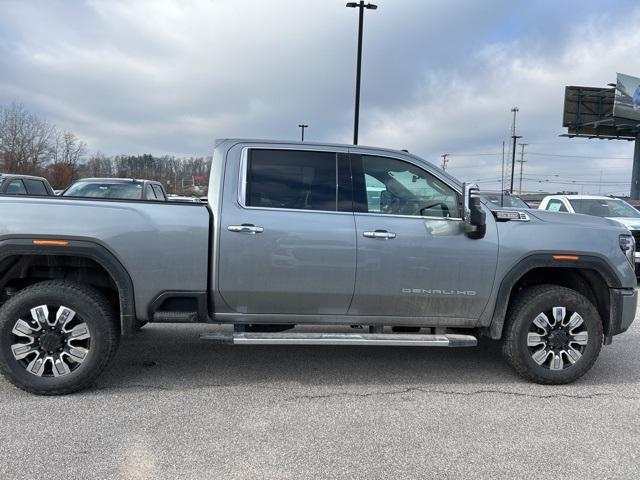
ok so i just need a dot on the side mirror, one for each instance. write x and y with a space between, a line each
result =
474 217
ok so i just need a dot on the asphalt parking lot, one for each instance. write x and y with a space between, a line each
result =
174 407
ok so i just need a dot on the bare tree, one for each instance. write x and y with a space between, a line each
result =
31 145
99 165
26 141
69 149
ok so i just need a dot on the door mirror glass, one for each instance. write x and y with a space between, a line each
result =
474 216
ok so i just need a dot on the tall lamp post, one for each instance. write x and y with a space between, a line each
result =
302 127
369 6
515 138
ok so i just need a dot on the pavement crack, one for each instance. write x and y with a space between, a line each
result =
458 393
183 388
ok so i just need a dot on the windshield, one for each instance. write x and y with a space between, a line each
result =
506 200
117 190
604 208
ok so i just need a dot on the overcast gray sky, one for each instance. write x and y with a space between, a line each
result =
438 76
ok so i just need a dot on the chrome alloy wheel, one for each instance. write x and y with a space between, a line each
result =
56 345
557 339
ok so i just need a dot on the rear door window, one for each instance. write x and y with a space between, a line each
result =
16 187
291 179
159 193
35 187
149 193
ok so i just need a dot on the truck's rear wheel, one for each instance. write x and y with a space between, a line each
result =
553 334
56 337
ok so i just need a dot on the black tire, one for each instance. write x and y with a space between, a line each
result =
90 307
520 354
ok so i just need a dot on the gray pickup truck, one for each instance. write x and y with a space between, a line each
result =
370 246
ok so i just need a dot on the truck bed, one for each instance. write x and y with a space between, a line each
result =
163 244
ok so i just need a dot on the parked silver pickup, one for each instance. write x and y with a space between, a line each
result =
309 234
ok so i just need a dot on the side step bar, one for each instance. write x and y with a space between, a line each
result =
379 339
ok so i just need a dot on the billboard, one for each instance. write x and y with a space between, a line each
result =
627 98
587 111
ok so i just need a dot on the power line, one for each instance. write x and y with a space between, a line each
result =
473 154
539 154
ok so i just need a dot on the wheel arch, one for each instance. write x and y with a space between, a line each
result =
587 274
93 251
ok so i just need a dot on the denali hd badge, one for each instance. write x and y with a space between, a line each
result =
424 291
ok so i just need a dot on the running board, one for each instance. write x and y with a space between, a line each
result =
378 339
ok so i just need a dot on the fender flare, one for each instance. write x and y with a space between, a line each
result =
539 260
85 249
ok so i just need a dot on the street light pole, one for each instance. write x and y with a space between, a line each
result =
369 6
515 137
302 127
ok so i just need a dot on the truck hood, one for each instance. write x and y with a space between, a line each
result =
573 219
630 222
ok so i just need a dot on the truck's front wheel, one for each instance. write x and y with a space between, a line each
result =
553 334
56 337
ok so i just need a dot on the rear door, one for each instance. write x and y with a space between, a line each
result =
287 234
159 191
414 259
149 194
35 187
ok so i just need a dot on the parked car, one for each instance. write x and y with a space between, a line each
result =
598 206
11 184
504 199
289 238
117 188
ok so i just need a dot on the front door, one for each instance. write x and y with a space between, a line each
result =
287 245
414 259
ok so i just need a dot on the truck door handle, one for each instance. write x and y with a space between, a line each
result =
245 228
379 234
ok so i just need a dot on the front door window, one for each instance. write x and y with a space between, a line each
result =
395 187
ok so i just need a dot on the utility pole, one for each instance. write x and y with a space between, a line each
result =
502 178
600 183
302 127
515 137
445 160
522 162
635 175
369 6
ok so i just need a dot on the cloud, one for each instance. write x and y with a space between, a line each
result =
467 108
439 77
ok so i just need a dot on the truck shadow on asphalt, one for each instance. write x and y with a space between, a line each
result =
173 358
